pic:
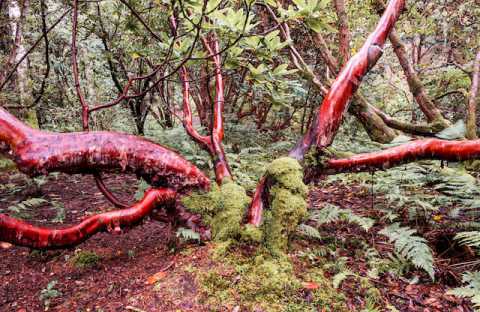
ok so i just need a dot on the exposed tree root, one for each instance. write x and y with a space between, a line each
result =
24 234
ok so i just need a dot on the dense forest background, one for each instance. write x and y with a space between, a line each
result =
403 239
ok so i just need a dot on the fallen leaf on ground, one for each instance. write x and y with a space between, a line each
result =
5 245
311 285
156 277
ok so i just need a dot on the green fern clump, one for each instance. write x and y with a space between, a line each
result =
410 247
331 213
22 209
471 238
471 290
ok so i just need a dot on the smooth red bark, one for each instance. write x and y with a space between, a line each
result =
24 234
37 152
416 150
329 115
213 143
255 210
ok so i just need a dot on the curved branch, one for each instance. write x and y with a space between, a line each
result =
106 192
24 234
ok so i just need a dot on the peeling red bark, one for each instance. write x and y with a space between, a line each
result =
37 152
413 151
24 234
329 114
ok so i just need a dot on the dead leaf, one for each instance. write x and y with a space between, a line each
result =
311 285
5 245
156 277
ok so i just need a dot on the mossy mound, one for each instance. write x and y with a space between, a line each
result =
222 209
288 203
85 259
265 283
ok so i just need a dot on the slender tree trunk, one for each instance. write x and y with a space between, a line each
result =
426 104
473 101
17 12
344 32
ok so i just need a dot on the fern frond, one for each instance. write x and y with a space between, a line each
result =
188 234
471 290
338 278
308 231
331 213
471 238
410 247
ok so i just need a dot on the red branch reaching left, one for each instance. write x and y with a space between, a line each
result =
24 234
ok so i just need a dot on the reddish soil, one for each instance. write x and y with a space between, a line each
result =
124 278
119 280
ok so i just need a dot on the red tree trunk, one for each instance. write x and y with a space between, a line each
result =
329 115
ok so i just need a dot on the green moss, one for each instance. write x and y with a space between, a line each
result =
85 259
288 205
251 234
265 283
6 164
325 295
227 222
253 282
222 208
31 118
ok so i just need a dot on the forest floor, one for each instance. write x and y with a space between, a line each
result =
139 271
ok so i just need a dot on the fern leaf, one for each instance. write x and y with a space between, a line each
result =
188 234
471 238
340 277
331 213
471 290
410 247
308 231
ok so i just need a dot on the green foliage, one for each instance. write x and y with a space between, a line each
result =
141 188
22 209
410 247
188 234
338 278
85 259
308 231
49 293
471 238
471 290
331 213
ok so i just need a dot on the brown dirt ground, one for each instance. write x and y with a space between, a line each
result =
120 280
